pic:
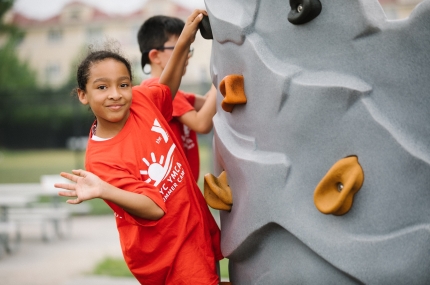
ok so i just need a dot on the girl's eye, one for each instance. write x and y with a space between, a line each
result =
102 87
124 85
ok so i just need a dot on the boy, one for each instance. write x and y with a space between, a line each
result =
191 113
167 233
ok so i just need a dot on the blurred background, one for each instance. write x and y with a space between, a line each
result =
41 42
44 129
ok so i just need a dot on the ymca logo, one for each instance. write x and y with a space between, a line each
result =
187 142
158 129
158 170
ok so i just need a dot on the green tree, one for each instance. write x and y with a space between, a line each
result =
32 116
14 74
5 6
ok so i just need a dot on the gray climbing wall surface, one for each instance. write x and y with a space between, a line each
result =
347 83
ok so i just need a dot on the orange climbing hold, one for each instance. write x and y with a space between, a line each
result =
217 192
232 88
335 192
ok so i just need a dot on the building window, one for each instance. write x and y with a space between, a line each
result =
75 14
94 34
52 73
55 35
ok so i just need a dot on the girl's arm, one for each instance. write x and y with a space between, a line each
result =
89 186
172 73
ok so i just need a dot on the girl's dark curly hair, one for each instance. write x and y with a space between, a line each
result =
94 56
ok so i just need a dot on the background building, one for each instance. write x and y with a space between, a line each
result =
53 46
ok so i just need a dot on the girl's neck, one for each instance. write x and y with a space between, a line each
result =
107 130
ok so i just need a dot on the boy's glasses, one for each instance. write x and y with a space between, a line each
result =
190 52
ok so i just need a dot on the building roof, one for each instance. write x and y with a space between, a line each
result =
94 14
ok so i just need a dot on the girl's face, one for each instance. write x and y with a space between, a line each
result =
109 94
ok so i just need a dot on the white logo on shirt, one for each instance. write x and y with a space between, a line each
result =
156 170
187 142
158 129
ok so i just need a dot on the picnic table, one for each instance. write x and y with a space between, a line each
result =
20 206
9 230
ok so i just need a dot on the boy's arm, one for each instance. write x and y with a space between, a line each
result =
201 121
172 73
199 100
89 186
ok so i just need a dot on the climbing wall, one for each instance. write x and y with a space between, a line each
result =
321 141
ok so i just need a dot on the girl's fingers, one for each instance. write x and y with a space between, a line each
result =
65 186
72 177
198 11
70 187
67 193
79 172
199 18
73 201
195 22
75 176
197 15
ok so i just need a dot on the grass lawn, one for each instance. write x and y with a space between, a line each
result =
26 166
116 267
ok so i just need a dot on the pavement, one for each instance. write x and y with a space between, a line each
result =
65 261
68 260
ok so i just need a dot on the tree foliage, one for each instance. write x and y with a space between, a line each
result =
14 74
31 116
6 5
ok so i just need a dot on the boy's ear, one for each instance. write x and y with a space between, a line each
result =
82 96
153 56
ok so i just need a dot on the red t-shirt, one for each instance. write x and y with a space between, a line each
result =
183 246
183 103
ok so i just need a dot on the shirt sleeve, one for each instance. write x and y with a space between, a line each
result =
181 104
159 94
190 97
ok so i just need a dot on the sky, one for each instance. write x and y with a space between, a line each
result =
43 9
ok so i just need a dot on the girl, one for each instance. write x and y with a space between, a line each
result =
167 233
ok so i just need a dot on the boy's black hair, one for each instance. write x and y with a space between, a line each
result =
95 56
155 31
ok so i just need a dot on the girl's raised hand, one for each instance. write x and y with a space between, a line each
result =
173 71
192 25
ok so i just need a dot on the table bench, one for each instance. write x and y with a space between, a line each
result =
19 206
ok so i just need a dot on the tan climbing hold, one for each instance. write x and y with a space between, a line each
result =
233 90
217 192
335 192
